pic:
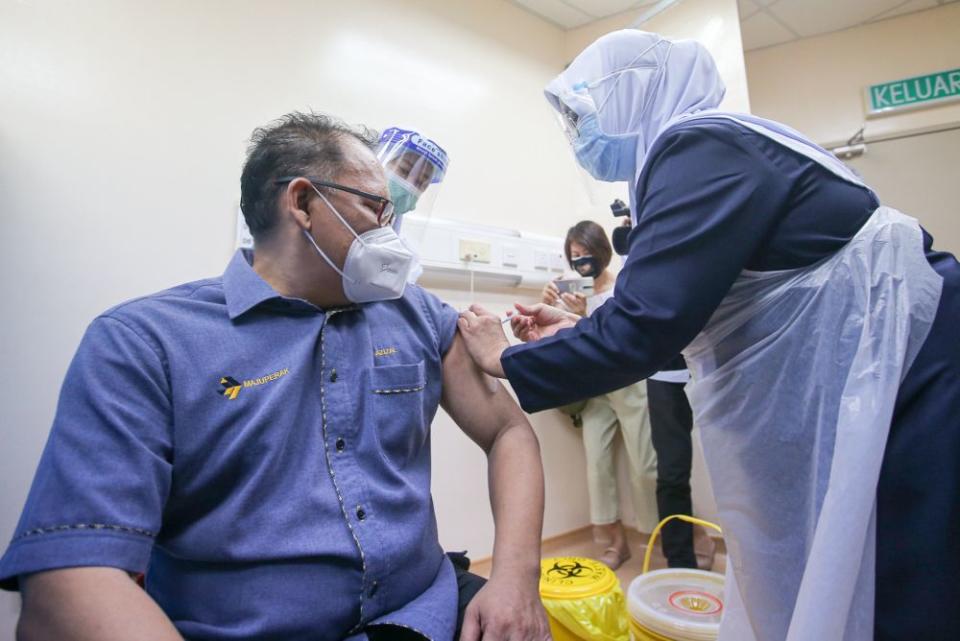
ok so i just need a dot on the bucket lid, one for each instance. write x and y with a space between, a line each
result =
574 577
678 601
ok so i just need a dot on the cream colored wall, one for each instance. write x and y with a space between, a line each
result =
918 175
123 127
815 85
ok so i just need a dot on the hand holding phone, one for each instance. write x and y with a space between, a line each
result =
575 286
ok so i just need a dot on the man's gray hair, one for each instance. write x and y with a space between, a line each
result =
297 144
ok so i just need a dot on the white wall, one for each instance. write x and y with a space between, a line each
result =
816 84
123 127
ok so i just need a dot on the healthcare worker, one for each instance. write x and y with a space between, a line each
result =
819 328
412 163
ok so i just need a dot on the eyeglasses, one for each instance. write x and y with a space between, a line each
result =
383 208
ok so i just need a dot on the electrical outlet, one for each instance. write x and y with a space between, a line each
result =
541 260
557 262
475 251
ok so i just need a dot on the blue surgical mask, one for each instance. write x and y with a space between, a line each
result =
606 157
404 199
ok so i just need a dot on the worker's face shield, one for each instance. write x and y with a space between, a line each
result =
414 167
614 98
568 119
572 106
593 99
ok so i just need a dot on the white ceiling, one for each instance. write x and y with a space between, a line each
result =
570 14
763 23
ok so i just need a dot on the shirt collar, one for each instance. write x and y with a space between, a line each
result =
243 287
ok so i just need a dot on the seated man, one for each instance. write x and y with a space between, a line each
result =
259 444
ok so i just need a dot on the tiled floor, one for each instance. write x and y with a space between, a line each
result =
580 543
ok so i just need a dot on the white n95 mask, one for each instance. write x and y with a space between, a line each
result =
377 264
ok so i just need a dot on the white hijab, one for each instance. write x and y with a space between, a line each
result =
640 84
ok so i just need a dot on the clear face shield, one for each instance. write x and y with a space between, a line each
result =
571 107
588 99
415 167
567 119
579 105
601 126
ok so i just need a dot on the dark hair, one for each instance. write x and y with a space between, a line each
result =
297 144
593 238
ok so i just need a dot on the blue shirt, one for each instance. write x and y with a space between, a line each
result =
265 462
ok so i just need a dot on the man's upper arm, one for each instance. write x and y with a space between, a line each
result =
478 403
104 477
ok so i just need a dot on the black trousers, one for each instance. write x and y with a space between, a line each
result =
468 584
671 423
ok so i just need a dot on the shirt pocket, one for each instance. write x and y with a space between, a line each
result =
398 399
398 379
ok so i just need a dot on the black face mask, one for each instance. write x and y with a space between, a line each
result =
621 239
586 266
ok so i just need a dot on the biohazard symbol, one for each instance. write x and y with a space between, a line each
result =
230 387
568 570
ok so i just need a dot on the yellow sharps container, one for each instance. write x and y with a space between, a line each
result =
583 600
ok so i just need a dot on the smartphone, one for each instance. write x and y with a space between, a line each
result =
575 286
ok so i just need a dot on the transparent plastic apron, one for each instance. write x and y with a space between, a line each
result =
794 382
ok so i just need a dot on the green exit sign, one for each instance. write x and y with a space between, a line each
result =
918 91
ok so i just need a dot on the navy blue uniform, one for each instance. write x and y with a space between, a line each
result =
714 199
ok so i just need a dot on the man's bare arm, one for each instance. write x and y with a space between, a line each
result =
509 605
89 604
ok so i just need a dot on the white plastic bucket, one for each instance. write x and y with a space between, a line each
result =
675 604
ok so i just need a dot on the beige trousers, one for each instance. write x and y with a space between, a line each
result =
624 411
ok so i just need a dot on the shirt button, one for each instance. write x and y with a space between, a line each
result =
333 375
361 514
340 444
